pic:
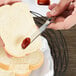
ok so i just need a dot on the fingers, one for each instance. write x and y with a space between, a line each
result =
56 26
1 2
59 8
75 4
48 14
65 24
59 19
52 6
71 6
66 13
71 20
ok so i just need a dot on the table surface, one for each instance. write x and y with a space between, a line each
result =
70 36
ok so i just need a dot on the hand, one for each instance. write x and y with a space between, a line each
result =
65 13
3 2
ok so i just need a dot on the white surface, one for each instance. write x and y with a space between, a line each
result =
47 68
39 8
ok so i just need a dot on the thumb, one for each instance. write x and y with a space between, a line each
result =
61 7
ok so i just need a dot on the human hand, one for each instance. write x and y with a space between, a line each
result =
65 13
4 2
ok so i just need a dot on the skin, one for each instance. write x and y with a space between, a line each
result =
65 13
4 2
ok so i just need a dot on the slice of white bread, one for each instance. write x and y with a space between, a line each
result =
35 60
21 70
21 66
16 24
5 61
32 62
6 73
17 73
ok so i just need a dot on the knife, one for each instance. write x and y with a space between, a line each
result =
27 41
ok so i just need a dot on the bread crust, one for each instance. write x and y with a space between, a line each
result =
26 74
31 67
36 66
3 66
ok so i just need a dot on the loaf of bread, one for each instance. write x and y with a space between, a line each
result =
21 66
16 24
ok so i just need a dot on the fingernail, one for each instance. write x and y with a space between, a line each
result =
53 12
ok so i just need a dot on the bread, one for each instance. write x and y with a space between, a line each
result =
5 62
21 70
35 60
10 73
6 73
21 66
16 24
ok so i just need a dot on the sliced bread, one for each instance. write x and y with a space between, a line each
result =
16 24
21 66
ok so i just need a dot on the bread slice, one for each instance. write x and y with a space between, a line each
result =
6 73
24 66
35 60
10 73
21 69
21 66
16 24
5 61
